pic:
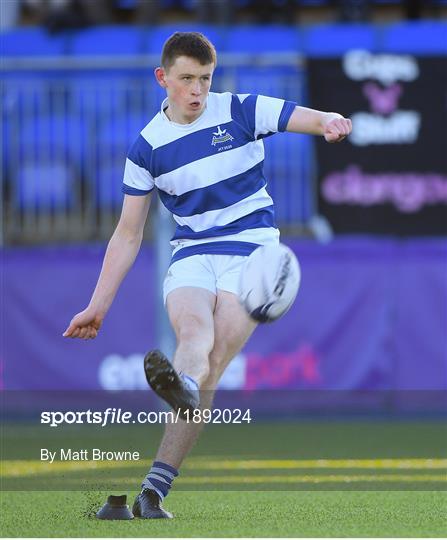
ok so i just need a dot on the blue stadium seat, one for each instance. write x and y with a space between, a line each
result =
422 37
114 139
54 137
272 80
108 185
288 164
336 39
97 95
256 39
107 40
154 37
32 42
101 92
121 130
44 185
281 81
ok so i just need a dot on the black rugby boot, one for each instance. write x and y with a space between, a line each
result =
166 382
147 505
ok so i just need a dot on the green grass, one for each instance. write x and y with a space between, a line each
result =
232 513
300 439
323 479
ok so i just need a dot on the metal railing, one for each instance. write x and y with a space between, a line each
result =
67 125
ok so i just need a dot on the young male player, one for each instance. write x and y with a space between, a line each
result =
204 153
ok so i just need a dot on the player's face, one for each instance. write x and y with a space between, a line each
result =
187 85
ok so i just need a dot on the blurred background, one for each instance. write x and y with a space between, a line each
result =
366 218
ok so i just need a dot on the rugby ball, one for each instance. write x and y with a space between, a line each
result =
269 282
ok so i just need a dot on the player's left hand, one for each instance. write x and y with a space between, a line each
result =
337 129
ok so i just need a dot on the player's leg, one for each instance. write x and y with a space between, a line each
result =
191 314
191 311
232 328
232 325
190 295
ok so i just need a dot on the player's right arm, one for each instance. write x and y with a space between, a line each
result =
120 255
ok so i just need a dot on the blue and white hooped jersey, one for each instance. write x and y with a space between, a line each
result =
209 173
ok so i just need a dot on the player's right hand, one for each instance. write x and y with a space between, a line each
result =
84 325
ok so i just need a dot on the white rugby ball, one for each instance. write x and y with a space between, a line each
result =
269 282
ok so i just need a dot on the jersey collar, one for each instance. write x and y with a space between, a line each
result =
164 105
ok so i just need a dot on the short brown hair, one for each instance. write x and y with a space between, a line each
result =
192 44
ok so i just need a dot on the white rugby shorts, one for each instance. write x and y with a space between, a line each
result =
209 272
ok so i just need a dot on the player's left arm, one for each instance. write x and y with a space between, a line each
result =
332 126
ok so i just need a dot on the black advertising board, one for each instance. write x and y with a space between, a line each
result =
390 176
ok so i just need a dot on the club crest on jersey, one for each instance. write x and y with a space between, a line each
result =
221 136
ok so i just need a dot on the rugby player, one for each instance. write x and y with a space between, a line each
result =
204 153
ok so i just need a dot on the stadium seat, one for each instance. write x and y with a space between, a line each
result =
101 92
107 40
277 78
121 130
288 172
56 137
32 42
154 37
115 136
422 37
44 185
108 185
53 151
97 95
265 39
276 81
336 39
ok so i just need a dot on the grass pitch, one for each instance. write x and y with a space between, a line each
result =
232 513
337 479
